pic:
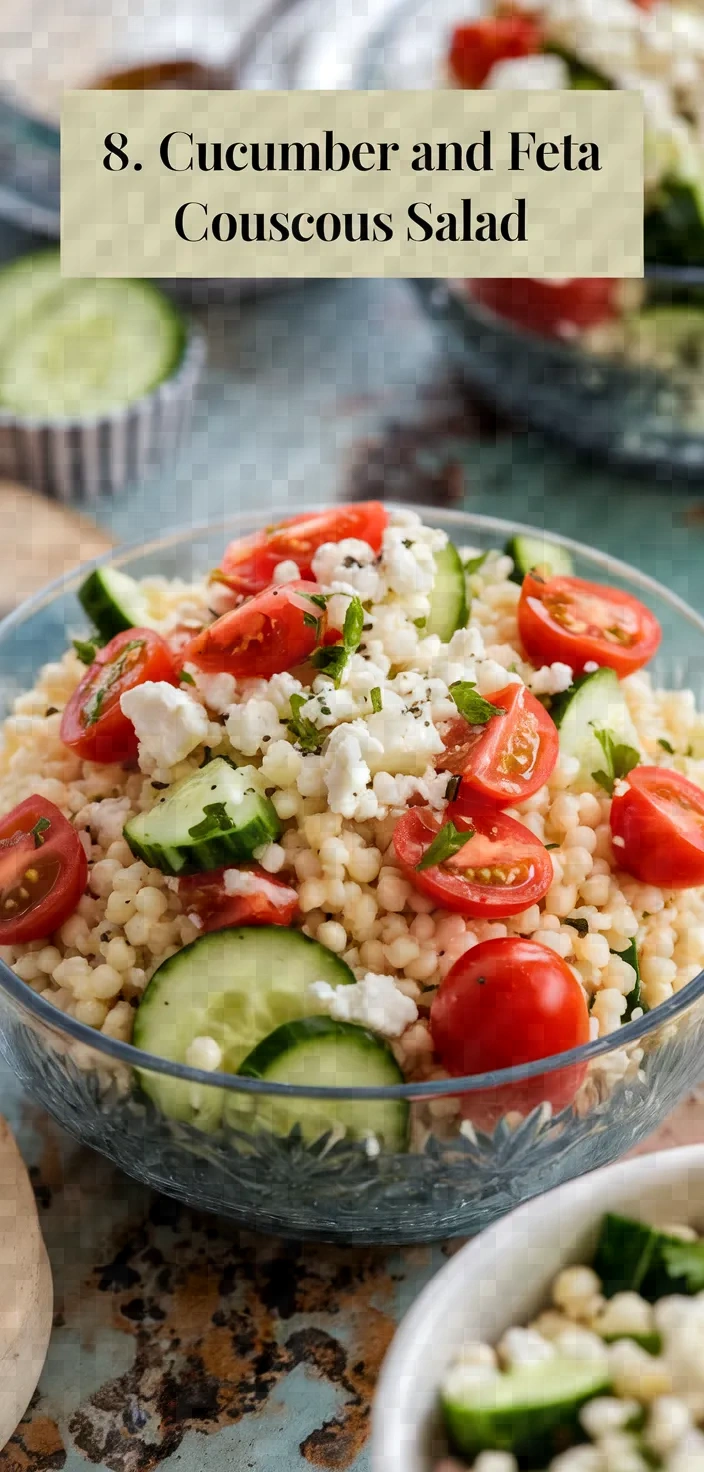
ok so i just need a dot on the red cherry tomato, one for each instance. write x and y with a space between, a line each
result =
511 756
478 44
274 631
272 903
576 622
248 564
658 828
43 871
500 871
550 308
504 1003
93 723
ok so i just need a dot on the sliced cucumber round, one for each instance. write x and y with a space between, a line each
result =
319 1051
235 986
114 601
84 348
536 553
531 1411
594 701
216 816
448 600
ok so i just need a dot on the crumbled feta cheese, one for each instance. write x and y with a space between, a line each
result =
345 766
396 792
403 742
551 679
529 73
217 691
408 558
244 882
279 690
374 1002
168 722
286 572
252 725
349 565
329 707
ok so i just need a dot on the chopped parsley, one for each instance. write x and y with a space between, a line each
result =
619 760
446 843
40 827
666 746
331 659
375 697
86 649
473 706
185 678
473 564
305 733
216 820
580 924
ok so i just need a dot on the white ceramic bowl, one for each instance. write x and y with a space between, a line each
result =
503 1277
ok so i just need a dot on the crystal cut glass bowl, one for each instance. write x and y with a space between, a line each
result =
449 1183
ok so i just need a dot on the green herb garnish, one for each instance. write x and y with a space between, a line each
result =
446 843
331 659
473 564
185 678
666 746
375 697
216 820
40 827
580 924
620 760
305 732
473 706
86 649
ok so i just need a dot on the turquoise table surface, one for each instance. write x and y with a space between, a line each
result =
179 1343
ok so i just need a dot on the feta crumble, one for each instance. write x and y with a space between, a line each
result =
168 723
374 1002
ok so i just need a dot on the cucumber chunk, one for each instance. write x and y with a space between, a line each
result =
215 816
317 1050
631 1256
595 700
235 986
448 600
531 1411
82 348
114 601
535 552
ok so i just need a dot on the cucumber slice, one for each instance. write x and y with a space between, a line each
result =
86 348
531 1411
593 700
632 1256
317 1050
236 986
215 816
448 600
114 601
651 1343
536 552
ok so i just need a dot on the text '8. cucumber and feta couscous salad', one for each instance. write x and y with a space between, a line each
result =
360 807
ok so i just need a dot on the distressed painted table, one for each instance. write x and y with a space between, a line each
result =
179 1343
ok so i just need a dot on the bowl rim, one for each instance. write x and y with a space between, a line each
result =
240 523
389 1431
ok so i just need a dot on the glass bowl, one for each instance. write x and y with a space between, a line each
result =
636 417
452 1181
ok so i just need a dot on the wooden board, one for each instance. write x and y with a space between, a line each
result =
26 1303
40 540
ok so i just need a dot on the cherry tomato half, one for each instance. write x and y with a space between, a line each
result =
550 308
271 903
43 871
576 622
478 44
658 828
511 756
504 1003
248 564
93 723
274 631
500 871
